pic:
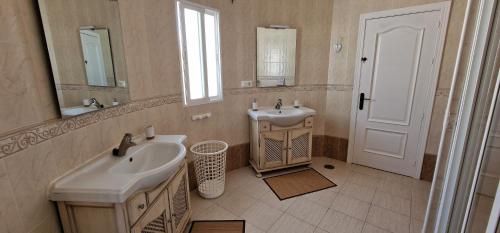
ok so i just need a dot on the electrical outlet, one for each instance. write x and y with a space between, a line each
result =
246 84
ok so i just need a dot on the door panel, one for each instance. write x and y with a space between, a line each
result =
178 199
299 145
394 77
395 68
386 143
273 148
155 220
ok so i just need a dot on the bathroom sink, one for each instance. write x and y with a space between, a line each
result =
113 179
286 116
148 158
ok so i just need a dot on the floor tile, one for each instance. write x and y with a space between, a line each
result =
394 203
250 228
416 226
367 170
271 199
290 224
262 216
400 179
396 189
239 177
255 189
368 228
324 197
365 180
352 207
421 185
236 202
337 222
359 192
198 203
418 209
388 220
215 213
307 210
319 230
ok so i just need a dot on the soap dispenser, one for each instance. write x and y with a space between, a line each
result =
254 105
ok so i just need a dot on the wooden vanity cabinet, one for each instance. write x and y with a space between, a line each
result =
164 209
274 147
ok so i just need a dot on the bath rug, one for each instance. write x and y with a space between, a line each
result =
218 226
298 183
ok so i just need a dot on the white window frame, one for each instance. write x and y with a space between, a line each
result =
180 6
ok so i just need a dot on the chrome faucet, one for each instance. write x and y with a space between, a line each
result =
96 103
279 104
124 145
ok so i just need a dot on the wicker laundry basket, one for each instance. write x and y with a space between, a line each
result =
210 167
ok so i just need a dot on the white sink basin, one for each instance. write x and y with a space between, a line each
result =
113 179
286 116
147 158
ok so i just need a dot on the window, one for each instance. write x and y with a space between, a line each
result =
199 42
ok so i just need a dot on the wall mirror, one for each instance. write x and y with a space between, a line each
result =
276 56
84 41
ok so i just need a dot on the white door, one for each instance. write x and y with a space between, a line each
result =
399 56
93 58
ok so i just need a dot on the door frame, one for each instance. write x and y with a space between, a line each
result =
444 8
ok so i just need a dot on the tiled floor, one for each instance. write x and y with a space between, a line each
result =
365 200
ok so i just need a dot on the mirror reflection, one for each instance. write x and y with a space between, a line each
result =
86 54
97 58
276 56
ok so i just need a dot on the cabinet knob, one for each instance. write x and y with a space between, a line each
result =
141 206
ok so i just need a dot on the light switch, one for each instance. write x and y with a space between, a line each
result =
246 84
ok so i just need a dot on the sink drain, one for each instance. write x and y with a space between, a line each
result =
329 166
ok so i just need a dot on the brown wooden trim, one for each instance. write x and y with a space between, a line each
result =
428 166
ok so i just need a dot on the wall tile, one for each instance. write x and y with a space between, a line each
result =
10 219
30 173
50 224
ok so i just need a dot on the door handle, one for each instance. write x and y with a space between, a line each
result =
362 101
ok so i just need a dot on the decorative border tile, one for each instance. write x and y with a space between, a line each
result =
77 87
18 140
339 87
22 139
257 90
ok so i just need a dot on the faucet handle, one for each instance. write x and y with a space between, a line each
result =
128 138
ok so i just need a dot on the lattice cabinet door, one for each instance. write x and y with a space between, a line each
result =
178 198
299 145
155 220
272 147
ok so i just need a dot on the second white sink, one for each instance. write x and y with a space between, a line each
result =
286 116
